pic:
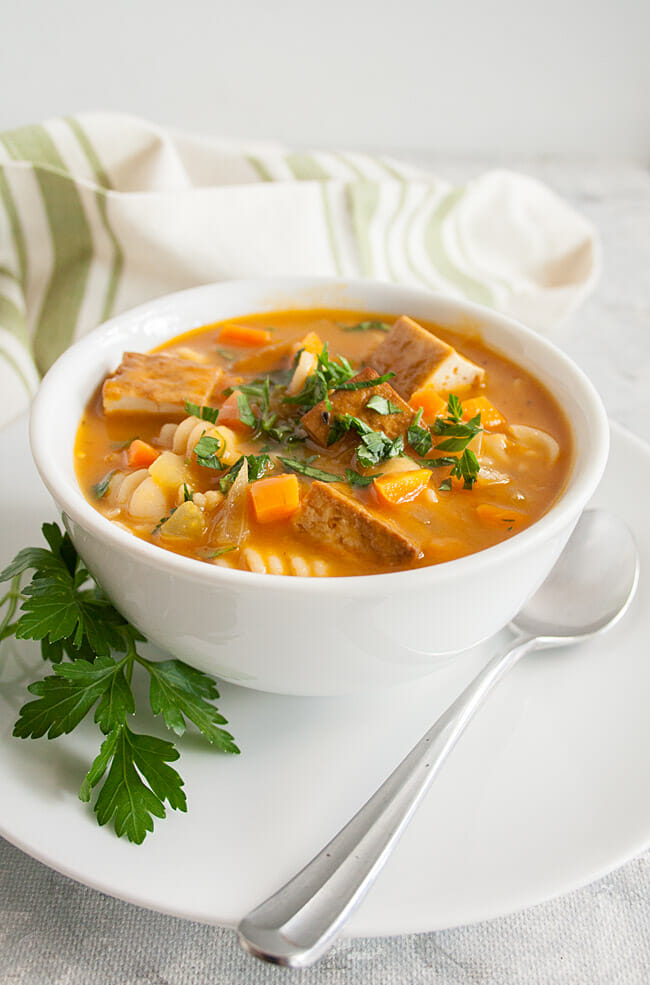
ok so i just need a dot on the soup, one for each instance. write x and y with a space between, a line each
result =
322 442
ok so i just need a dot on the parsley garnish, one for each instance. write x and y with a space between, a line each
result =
258 465
188 495
101 488
68 612
456 436
356 479
303 468
204 413
207 450
365 384
329 374
367 326
374 447
419 438
383 406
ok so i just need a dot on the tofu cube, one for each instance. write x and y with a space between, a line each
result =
318 420
419 358
344 525
157 383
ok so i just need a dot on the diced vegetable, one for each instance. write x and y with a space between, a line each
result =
140 455
402 487
186 522
430 401
168 471
490 416
498 516
242 335
229 415
275 498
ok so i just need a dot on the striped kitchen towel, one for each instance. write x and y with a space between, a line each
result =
99 212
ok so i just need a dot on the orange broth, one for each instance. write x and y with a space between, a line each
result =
512 490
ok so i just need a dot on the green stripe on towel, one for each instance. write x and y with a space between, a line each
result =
71 240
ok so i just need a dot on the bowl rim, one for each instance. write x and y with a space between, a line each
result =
566 508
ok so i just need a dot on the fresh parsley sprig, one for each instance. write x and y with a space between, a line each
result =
330 374
374 447
69 614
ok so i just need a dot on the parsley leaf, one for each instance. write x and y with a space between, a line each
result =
101 488
356 479
329 374
207 451
138 783
383 406
178 692
302 468
365 384
419 438
367 326
204 413
456 436
376 447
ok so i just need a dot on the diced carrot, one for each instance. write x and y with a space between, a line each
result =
243 335
275 498
430 401
498 516
402 487
490 416
140 455
229 415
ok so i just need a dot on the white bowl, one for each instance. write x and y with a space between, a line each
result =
295 635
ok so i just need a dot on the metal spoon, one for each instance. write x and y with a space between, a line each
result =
587 591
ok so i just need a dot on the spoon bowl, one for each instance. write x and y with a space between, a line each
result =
590 587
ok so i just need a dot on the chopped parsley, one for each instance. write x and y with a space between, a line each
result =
303 468
456 435
419 438
367 326
383 406
207 451
258 465
365 384
330 374
188 495
219 551
204 413
356 479
101 488
374 447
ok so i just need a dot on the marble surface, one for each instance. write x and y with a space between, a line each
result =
54 931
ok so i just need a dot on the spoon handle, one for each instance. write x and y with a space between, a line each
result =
296 925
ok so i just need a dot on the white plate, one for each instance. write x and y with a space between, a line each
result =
549 788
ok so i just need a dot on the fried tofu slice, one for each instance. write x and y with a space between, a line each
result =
157 383
344 524
419 358
318 420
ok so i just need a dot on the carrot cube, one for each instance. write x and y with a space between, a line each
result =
430 401
275 498
243 335
490 416
141 455
402 487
